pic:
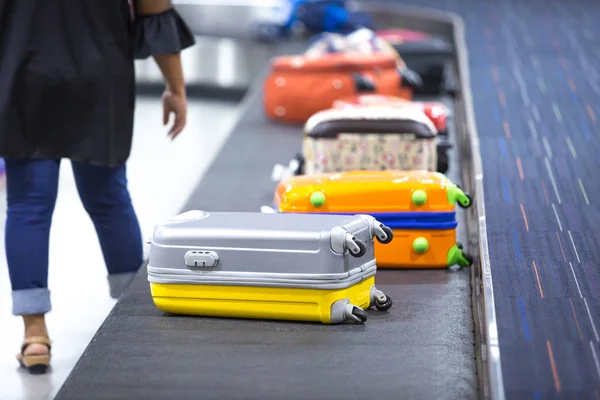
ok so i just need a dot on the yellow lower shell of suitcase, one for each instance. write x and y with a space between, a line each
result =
258 302
421 249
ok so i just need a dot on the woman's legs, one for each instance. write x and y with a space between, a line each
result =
31 187
104 193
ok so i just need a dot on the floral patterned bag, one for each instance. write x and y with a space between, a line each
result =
369 138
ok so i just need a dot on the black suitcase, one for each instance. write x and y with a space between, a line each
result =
428 55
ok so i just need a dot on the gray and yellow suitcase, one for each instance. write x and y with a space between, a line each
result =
267 266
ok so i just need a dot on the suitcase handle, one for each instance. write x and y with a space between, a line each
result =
363 84
409 78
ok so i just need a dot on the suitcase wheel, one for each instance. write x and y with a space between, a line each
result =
458 256
355 314
356 247
382 301
458 196
386 305
466 260
383 234
466 201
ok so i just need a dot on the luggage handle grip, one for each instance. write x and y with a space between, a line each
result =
363 84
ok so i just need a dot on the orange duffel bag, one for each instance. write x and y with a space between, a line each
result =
299 86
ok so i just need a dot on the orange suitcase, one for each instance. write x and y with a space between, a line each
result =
419 206
437 112
299 86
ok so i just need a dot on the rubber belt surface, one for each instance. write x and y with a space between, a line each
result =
423 348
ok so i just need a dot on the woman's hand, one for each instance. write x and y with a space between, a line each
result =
174 99
174 103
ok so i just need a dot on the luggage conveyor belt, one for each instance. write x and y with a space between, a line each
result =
423 348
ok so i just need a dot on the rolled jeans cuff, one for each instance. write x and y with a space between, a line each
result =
119 282
31 301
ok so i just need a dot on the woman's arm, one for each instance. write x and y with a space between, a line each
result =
170 66
144 7
174 98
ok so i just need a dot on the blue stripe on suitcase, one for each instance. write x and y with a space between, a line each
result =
413 220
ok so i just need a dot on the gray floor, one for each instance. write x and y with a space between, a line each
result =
423 348
80 292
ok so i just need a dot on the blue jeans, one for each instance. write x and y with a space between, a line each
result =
32 187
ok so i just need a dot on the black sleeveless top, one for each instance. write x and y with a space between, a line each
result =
67 84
